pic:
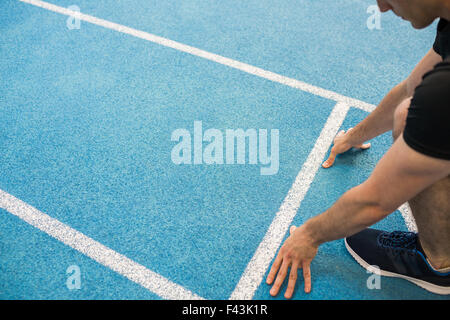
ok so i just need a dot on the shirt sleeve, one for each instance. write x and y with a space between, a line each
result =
428 122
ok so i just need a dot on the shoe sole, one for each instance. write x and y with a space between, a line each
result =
423 284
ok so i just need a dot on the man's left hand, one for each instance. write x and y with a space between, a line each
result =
297 252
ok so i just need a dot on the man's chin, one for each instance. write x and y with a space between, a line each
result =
415 25
421 24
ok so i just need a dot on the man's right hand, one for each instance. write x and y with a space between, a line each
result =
341 145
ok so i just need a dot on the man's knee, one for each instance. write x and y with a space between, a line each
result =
400 115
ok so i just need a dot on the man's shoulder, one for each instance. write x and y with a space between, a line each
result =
437 79
440 71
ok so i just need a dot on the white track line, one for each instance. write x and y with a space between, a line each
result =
207 55
95 250
258 265
410 222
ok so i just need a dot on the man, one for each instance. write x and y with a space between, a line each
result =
415 169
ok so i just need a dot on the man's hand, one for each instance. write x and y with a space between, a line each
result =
297 252
342 144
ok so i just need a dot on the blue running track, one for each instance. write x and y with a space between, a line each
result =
86 117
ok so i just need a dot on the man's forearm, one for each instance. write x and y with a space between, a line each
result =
381 119
349 215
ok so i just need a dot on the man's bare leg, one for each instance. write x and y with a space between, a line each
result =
430 208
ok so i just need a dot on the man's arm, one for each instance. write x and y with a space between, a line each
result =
400 175
381 119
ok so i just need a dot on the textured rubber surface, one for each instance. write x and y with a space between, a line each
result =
86 118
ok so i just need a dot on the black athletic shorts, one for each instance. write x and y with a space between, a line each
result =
442 42
428 123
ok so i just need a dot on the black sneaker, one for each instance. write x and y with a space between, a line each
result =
397 254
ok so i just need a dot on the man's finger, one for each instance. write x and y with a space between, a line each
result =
280 278
329 162
292 281
307 277
274 269
292 229
341 133
364 146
